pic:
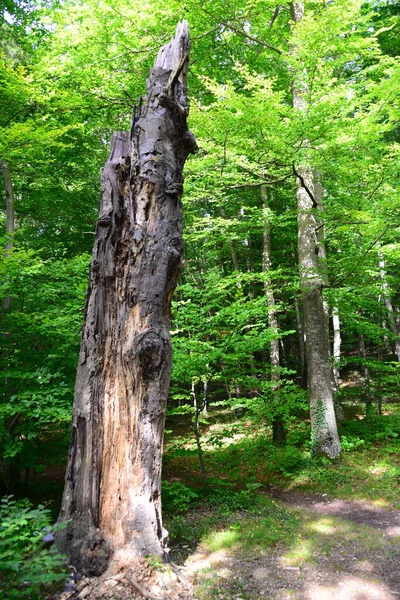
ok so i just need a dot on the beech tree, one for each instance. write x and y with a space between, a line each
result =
112 496
324 433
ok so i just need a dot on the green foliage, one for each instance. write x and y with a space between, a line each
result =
372 430
27 569
69 76
177 497
289 459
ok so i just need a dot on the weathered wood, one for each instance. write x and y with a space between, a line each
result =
112 495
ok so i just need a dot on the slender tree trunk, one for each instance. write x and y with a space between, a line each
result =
301 337
366 375
112 494
389 307
324 434
278 430
14 479
235 261
10 218
10 223
205 396
336 346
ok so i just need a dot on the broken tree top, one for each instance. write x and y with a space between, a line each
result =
112 495
170 55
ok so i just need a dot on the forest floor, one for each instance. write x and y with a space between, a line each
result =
339 550
271 522
326 549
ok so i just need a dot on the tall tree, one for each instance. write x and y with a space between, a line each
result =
112 495
324 434
278 431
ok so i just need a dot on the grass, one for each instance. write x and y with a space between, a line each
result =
226 550
232 521
241 451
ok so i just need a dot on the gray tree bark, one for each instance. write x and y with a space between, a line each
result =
336 346
389 307
366 375
10 222
301 338
278 430
10 217
324 434
112 494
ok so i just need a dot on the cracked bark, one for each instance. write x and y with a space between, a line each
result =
112 494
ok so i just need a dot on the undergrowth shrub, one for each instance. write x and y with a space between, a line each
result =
177 497
288 460
376 428
28 570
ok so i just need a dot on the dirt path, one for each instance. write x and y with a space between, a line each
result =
344 550
339 550
357 511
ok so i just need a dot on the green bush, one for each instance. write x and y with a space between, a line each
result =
28 570
288 460
376 428
176 496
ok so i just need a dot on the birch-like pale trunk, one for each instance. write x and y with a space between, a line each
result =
323 269
112 494
362 351
301 338
324 434
389 307
278 430
336 346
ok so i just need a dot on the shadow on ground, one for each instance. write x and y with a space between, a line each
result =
313 548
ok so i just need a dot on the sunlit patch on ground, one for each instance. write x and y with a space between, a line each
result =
324 526
315 558
350 588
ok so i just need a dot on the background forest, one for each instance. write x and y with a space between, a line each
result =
267 94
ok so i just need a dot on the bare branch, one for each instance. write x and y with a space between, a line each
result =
304 185
243 33
274 16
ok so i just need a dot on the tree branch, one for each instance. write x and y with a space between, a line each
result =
304 185
251 185
363 254
243 33
274 16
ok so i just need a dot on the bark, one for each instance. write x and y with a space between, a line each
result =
301 337
389 307
10 220
324 434
10 224
323 270
336 346
366 375
112 494
278 430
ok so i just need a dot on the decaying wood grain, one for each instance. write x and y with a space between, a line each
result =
113 482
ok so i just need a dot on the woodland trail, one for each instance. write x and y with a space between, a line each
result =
340 550
344 550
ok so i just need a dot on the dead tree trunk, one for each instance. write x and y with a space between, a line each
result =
112 494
